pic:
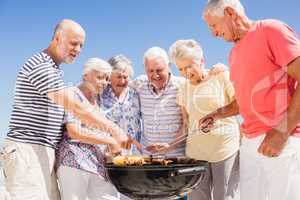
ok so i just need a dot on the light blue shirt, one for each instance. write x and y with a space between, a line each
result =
126 114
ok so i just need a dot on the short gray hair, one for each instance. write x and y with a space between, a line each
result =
182 49
96 64
121 63
217 7
156 52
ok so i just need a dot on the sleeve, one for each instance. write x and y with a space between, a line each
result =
228 86
283 43
46 79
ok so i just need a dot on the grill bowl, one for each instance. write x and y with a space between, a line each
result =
156 181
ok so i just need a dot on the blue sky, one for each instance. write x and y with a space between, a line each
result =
114 26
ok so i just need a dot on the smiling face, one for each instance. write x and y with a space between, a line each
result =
96 81
119 81
69 44
190 69
158 72
224 26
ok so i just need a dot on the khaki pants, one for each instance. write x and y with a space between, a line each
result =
29 171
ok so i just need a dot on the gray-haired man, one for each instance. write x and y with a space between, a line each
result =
265 70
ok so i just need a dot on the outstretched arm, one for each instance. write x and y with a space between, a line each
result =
86 135
229 110
86 113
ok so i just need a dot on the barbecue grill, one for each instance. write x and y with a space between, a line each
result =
154 181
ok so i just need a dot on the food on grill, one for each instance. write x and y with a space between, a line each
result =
128 160
140 161
160 161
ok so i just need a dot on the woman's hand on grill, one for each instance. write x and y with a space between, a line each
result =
128 143
124 140
114 149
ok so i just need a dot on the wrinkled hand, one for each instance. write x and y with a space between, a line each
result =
207 122
157 147
124 140
114 149
138 145
217 68
129 142
273 143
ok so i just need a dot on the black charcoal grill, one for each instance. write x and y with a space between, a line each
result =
157 181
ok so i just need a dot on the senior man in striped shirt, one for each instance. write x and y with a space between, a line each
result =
36 122
162 117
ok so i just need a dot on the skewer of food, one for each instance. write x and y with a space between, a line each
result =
139 161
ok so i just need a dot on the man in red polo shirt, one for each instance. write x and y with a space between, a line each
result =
265 70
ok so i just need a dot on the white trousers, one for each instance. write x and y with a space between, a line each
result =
77 184
264 178
29 171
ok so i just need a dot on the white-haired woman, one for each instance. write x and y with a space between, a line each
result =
120 102
219 145
80 156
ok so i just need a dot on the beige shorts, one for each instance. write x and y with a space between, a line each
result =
29 171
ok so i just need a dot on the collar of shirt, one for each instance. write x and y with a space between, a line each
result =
112 95
162 91
49 59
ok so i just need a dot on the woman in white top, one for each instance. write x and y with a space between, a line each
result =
199 95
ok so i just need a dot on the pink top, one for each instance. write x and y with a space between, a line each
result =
258 72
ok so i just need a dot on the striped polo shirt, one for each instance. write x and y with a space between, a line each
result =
35 118
162 117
